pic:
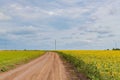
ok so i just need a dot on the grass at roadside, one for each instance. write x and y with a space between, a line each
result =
96 64
10 58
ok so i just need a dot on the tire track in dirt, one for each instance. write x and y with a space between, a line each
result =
47 67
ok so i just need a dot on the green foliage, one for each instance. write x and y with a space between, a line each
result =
89 69
96 64
9 59
115 49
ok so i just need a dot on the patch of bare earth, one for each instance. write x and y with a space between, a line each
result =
47 67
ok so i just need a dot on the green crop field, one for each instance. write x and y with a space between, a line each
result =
97 65
10 59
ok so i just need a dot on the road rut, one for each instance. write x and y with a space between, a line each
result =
47 67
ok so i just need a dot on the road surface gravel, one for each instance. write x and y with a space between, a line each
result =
47 67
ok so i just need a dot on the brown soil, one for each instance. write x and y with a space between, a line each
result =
47 67
72 72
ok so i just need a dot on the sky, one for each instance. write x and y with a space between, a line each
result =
74 24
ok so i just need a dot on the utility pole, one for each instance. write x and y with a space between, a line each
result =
55 44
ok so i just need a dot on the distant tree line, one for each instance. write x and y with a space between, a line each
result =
116 49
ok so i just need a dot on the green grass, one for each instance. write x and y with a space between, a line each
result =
96 64
10 59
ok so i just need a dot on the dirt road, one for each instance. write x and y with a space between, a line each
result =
47 67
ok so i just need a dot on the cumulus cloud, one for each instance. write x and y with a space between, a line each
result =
71 22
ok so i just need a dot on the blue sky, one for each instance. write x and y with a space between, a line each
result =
75 24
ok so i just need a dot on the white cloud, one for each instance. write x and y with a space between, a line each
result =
70 13
4 17
108 16
89 24
33 12
69 2
27 12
